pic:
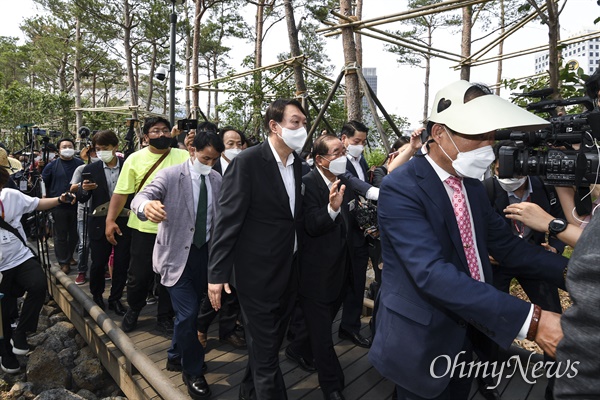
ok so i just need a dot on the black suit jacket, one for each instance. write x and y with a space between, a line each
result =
363 163
254 228
99 196
323 262
217 167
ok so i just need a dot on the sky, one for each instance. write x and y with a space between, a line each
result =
400 88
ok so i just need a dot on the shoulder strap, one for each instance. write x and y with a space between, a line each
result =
156 164
5 225
490 189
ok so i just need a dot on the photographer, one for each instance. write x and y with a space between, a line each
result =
57 177
20 271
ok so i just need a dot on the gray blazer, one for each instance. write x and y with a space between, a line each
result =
173 187
581 322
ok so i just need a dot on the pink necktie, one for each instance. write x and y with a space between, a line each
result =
461 211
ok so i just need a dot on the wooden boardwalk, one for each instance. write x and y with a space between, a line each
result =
226 366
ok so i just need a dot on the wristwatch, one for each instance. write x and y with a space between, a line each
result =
556 226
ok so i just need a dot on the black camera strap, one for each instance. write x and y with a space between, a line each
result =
583 200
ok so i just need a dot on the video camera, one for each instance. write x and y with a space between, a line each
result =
186 125
549 152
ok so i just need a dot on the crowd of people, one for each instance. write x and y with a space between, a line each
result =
274 244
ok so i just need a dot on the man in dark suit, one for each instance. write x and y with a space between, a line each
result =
437 228
105 174
324 264
182 201
354 138
257 232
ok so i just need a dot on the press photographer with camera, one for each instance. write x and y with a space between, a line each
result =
57 177
20 270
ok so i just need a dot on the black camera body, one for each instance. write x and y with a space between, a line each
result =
186 125
549 154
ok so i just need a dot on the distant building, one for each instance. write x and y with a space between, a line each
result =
584 54
370 75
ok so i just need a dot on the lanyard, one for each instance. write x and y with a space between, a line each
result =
518 225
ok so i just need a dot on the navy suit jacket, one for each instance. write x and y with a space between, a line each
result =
427 297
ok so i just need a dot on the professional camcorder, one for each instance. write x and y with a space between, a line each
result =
185 125
549 153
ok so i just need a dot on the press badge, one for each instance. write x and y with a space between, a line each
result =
4 238
23 185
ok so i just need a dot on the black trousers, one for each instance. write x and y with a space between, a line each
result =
228 314
355 291
265 322
100 250
140 275
27 277
319 317
65 233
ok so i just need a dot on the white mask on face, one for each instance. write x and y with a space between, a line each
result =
94 159
293 138
337 166
105 155
230 154
471 164
200 168
511 184
67 153
310 162
355 150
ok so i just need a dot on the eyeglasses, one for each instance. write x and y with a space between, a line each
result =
156 132
336 154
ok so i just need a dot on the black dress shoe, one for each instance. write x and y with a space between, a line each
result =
130 320
117 307
483 385
197 386
165 326
355 337
335 395
234 340
100 301
302 362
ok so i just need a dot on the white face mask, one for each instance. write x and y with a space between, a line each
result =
230 154
511 184
337 166
355 150
471 164
310 162
105 155
67 153
94 159
293 138
200 168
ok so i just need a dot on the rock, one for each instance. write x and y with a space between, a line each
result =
62 329
85 353
21 389
62 394
45 371
67 358
56 318
43 323
89 375
86 394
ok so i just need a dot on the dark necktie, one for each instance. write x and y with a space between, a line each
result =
201 213
463 219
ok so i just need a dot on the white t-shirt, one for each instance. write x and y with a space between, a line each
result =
14 204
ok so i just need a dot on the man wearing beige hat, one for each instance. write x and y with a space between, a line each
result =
436 303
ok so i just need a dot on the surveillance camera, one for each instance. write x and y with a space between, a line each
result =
161 73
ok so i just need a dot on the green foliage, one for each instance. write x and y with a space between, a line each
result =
375 156
571 86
